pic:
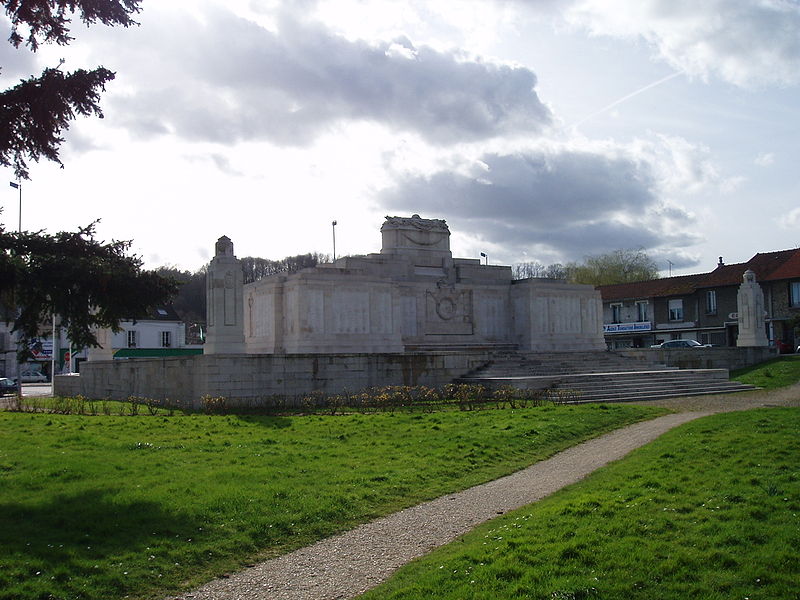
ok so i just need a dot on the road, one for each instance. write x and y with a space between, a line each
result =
36 389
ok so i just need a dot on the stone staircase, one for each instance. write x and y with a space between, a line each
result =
599 376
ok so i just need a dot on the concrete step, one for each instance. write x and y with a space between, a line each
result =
657 395
511 364
599 377
680 390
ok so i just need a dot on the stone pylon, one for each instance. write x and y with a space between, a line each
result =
750 302
225 309
104 351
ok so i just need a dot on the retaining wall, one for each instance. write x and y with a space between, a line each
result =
702 358
248 378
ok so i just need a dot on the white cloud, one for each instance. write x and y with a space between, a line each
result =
765 159
683 167
563 200
791 220
224 78
743 42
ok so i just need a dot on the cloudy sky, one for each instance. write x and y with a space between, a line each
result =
541 130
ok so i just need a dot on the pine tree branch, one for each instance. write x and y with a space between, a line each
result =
35 112
49 20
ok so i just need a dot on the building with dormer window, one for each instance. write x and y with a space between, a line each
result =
703 306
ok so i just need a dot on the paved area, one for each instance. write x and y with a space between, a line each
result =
29 390
348 564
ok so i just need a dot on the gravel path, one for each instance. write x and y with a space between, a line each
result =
345 565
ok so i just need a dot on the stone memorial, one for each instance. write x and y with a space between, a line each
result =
412 296
750 301
224 310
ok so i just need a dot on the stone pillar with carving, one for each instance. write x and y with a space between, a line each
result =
750 302
104 351
224 300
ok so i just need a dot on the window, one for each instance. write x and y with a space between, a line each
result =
641 311
132 338
711 302
676 310
794 293
166 339
616 313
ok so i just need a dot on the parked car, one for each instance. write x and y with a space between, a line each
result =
8 386
681 344
31 376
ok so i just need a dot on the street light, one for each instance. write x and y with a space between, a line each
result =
333 225
18 186
483 255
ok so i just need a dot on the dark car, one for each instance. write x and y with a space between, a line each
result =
7 386
681 344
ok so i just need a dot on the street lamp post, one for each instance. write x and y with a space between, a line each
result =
333 226
18 186
483 255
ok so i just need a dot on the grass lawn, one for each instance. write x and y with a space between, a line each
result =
110 506
711 510
775 373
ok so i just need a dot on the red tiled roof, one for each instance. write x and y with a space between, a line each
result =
768 266
668 286
790 269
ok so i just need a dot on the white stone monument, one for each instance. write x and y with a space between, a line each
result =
415 296
104 351
750 300
225 308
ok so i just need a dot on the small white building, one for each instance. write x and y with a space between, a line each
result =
162 333
163 330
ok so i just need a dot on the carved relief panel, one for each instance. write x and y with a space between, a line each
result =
448 312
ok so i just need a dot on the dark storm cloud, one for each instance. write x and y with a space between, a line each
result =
226 79
575 203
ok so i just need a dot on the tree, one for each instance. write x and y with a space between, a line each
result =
619 266
256 268
35 112
88 283
538 270
190 300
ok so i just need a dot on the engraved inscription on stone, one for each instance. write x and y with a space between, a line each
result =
315 311
408 306
350 311
230 299
381 316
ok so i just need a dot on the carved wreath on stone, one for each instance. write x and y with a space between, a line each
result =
446 308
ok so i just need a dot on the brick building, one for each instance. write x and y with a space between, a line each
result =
703 306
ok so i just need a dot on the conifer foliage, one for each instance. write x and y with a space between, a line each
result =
35 112
86 282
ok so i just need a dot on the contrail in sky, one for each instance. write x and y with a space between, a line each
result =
627 97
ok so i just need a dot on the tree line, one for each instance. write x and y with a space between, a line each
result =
190 299
618 266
